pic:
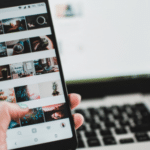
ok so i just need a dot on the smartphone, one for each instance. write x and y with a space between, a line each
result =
31 73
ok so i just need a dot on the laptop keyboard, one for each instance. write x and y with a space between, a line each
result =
102 125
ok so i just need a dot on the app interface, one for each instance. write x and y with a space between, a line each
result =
29 74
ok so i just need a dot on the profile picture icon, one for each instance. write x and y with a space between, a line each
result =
63 125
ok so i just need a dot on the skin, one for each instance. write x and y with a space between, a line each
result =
9 111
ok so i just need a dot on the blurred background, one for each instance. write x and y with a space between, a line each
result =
104 44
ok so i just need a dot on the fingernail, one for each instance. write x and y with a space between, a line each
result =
79 96
23 106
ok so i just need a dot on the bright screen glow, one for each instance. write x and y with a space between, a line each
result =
102 38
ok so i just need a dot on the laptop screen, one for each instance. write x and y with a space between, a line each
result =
103 38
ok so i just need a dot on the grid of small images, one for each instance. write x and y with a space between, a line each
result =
12 25
28 45
35 92
44 114
28 69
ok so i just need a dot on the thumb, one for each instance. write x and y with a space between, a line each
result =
8 112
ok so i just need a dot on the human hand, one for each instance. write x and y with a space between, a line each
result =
75 100
9 111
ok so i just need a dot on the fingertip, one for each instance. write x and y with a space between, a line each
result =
19 111
75 96
78 120
75 100
23 106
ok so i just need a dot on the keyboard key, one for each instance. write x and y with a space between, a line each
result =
104 109
122 109
92 111
140 106
118 117
125 141
104 118
82 128
81 111
78 135
109 111
146 119
80 144
142 137
115 111
95 126
134 108
145 113
90 134
127 108
140 128
124 123
116 107
90 120
105 132
93 142
120 131
109 124
109 140
132 115
138 121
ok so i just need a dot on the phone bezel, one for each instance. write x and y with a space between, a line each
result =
70 143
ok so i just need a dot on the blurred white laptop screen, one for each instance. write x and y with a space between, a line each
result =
102 38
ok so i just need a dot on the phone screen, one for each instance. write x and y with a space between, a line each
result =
29 74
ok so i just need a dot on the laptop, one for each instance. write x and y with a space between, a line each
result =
104 47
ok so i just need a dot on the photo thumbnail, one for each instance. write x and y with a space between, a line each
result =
27 93
5 73
37 21
14 124
21 70
34 116
7 95
55 112
3 49
1 27
14 25
46 65
17 47
48 89
42 43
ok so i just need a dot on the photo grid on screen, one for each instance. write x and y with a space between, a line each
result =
12 49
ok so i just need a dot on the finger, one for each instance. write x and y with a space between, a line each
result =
9 111
75 100
18 110
78 120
